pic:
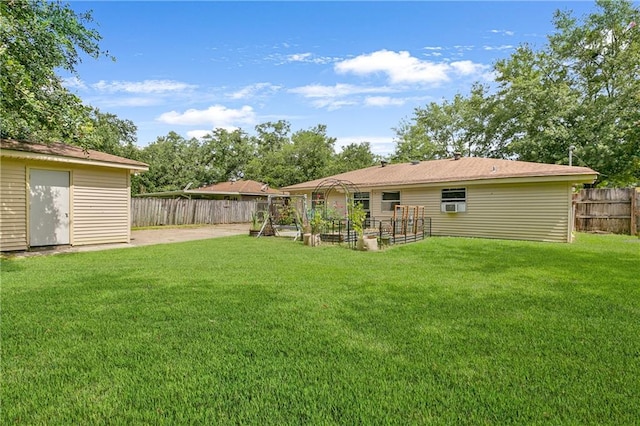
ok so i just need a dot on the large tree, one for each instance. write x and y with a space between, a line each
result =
580 91
353 156
173 164
37 37
462 125
224 155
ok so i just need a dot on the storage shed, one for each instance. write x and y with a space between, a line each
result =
467 196
57 194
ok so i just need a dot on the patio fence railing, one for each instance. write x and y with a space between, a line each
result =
388 231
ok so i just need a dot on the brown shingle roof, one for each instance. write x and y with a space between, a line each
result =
241 187
69 151
451 170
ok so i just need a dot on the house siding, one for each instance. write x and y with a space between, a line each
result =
538 212
13 213
522 211
101 206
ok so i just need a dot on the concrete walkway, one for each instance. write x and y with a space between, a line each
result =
148 237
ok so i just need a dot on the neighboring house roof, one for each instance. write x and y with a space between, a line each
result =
243 187
453 170
239 187
60 152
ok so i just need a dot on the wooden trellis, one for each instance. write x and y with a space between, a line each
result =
408 217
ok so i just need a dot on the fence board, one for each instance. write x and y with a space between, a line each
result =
612 210
180 211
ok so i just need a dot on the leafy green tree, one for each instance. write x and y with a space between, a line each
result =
352 157
463 125
173 164
225 155
580 90
38 37
311 153
272 136
110 134
307 155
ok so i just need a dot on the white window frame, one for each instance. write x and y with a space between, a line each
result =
453 200
389 205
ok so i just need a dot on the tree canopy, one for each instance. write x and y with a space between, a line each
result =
580 91
36 38
274 156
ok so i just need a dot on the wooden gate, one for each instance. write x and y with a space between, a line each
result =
613 210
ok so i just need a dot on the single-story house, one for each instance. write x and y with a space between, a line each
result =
466 196
59 194
239 190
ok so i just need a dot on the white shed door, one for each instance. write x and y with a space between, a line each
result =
48 207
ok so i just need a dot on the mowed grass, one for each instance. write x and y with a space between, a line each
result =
267 331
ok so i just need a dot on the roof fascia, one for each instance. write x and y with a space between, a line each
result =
10 153
575 179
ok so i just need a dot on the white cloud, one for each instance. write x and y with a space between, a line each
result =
198 134
502 47
338 90
401 67
145 87
299 57
380 145
432 48
255 90
332 104
468 67
383 101
503 32
73 83
215 115
135 101
309 57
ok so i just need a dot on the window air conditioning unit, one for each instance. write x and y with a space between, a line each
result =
453 207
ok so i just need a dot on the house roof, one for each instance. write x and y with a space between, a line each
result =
243 187
66 153
451 170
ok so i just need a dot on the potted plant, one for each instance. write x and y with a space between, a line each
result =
254 230
316 225
357 216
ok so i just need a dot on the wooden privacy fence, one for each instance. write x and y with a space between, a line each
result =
613 210
164 211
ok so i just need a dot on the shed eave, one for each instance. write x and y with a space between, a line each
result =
9 153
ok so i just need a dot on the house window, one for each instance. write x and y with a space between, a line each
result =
390 200
364 199
317 200
453 200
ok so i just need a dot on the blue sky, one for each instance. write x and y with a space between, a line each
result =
357 67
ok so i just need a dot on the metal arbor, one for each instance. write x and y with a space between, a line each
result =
327 186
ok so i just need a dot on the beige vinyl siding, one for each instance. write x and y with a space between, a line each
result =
101 200
539 212
13 196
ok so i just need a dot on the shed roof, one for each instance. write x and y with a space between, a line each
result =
451 170
66 153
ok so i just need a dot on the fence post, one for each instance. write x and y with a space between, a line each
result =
633 227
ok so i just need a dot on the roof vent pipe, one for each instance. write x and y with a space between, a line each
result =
457 155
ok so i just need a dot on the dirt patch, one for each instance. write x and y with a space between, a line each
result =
147 237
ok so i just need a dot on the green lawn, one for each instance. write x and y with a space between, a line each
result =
267 331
